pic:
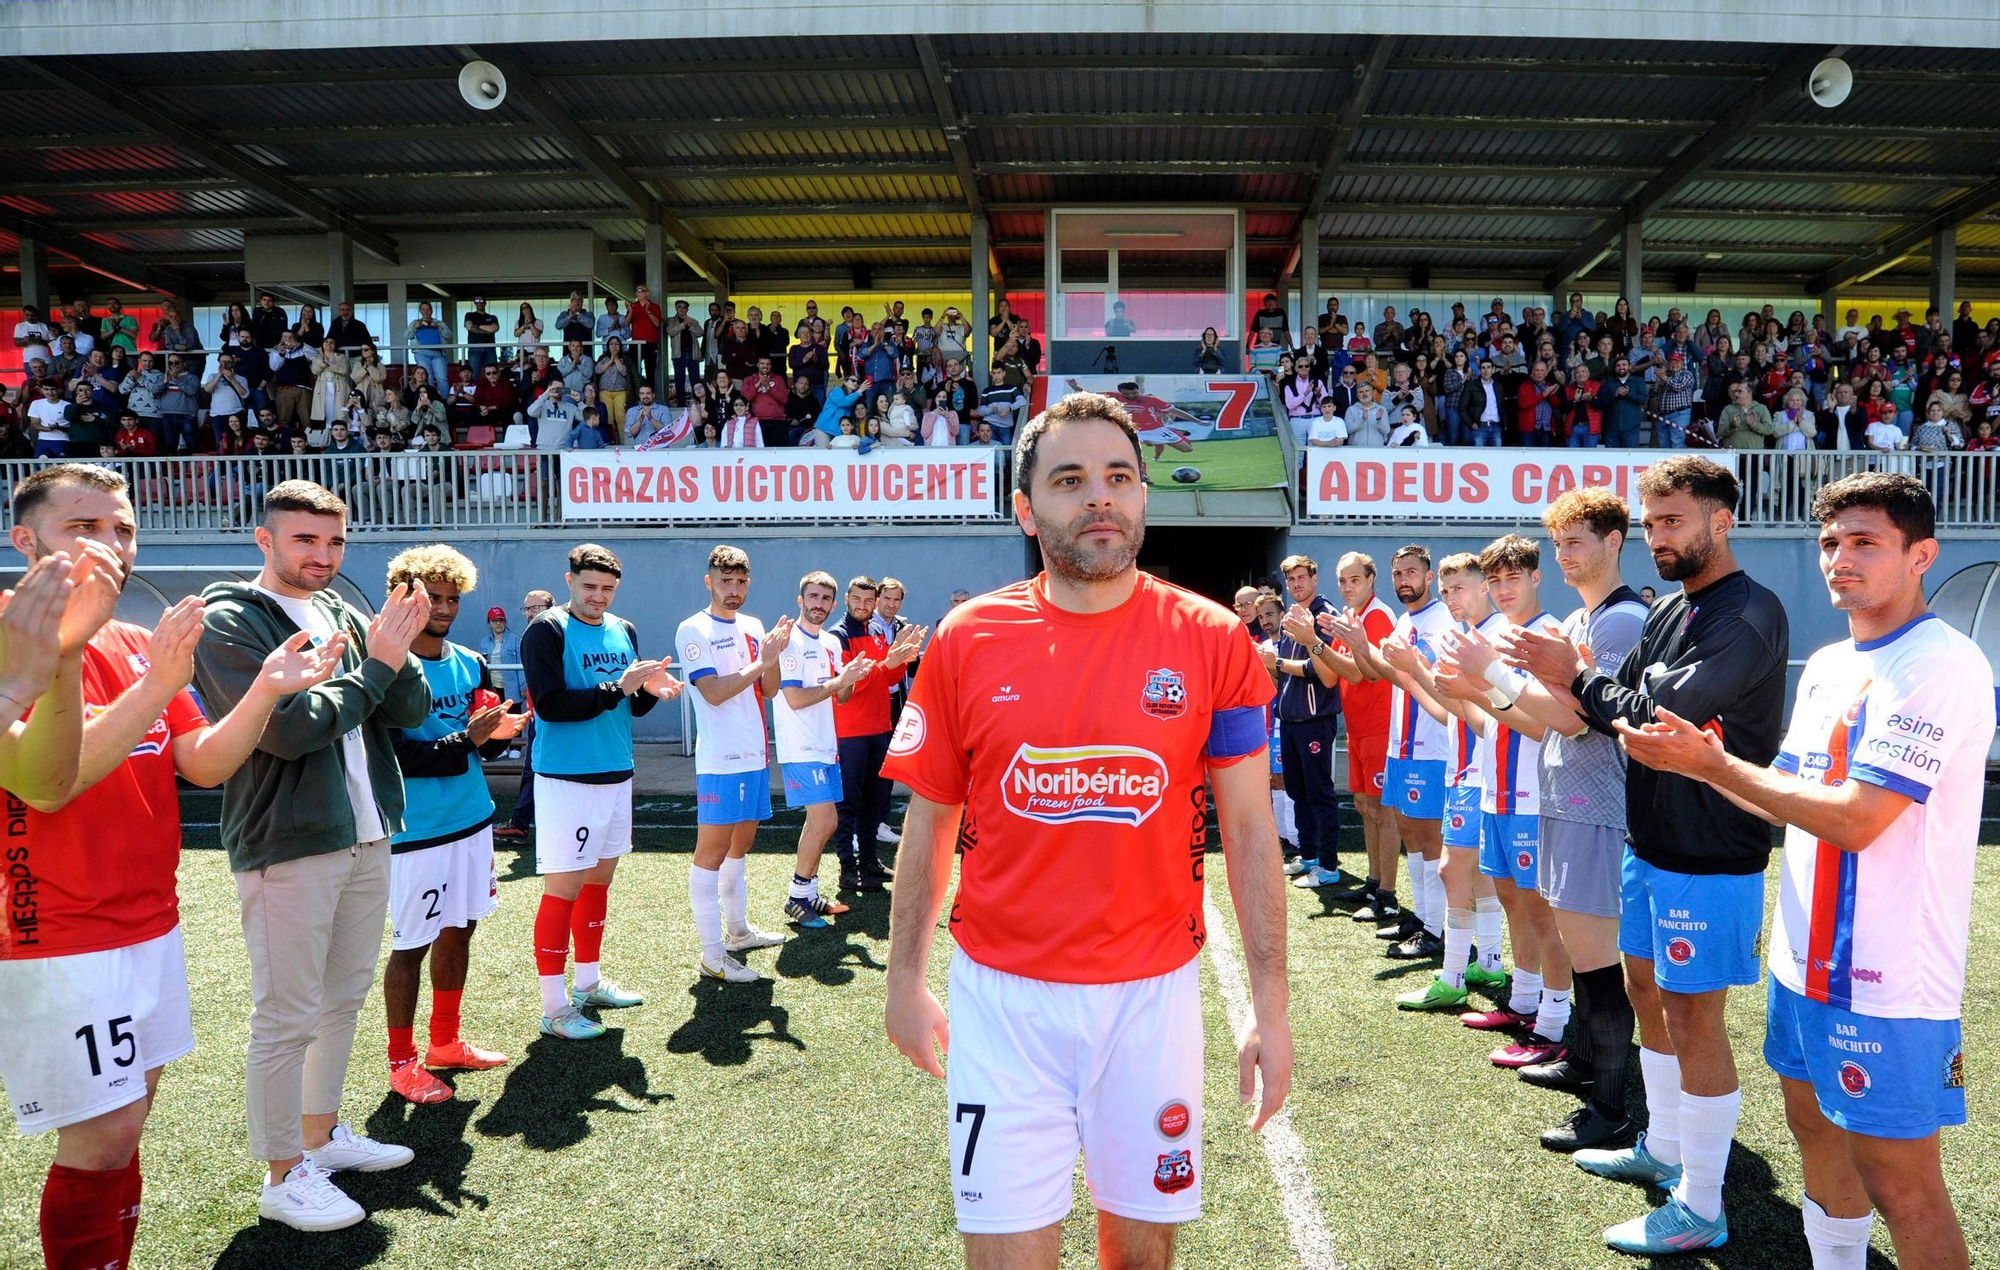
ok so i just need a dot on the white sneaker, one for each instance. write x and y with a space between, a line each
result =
307 1199
347 1149
883 833
750 937
729 970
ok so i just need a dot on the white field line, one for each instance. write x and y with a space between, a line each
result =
1296 1196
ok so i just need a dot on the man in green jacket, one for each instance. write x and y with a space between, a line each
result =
306 822
1744 423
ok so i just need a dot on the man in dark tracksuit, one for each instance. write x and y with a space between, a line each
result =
1308 708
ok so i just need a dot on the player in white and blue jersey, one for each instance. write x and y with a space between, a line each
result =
807 679
441 876
587 681
726 656
1471 906
1879 785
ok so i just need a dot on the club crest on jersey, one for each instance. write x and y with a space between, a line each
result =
138 663
1175 1172
1680 951
1174 1119
1106 784
909 736
1854 1079
1165 694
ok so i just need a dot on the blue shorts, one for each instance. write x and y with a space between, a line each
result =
732 799
810 784
1510 847
1886 1078
1699 929
1415 787
1461 816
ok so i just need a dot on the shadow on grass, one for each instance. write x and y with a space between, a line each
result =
833 955
553 1088
728 1018
268 1244
1764 1227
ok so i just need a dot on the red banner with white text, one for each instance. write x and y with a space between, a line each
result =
703 485
1441 482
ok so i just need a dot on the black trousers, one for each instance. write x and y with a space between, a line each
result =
1306 750
524 802
864 801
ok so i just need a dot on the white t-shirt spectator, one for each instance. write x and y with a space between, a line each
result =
1409 434
42 336
51 421
1326 432
1883 435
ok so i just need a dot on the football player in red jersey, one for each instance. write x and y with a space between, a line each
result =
1076 723
92 968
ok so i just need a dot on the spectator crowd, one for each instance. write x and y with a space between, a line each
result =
279 381
1589 378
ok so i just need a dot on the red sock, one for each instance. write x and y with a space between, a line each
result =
587 922
402 1046
80 1218
552 935
444 1015
128 1201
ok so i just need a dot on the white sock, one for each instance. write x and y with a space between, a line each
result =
1437 900
1837 1243
800 888
1457 945
704 894
1286 813
1662 1074
586 975
555 997
1527 997
735 894
1486 931
1420 889
1553 1016
1707 1127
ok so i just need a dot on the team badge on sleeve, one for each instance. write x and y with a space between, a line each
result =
1175 1172
909 736
1165 694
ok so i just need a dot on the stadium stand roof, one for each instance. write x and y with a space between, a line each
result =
770 159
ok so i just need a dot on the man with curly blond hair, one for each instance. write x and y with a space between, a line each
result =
441 876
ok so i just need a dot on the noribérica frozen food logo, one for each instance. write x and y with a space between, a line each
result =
1107 784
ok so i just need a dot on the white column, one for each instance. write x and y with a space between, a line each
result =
981 348
1309 301
35 274
1944 274
1631 262
339 271
399 319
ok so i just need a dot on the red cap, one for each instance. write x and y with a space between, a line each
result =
496 614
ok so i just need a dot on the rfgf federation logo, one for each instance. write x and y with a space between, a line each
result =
1107 784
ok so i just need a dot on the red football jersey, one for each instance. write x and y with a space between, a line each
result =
1366 704
100 873
1079 744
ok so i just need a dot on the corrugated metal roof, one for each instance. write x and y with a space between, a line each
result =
654 105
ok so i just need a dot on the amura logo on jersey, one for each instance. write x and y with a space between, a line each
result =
1105 784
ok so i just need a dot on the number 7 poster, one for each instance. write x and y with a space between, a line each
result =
1195 431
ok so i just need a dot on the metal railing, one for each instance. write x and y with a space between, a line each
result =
1778 486
492 489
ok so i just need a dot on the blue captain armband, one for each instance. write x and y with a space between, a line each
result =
1236 732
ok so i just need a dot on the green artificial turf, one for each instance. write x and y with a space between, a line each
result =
773 1126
